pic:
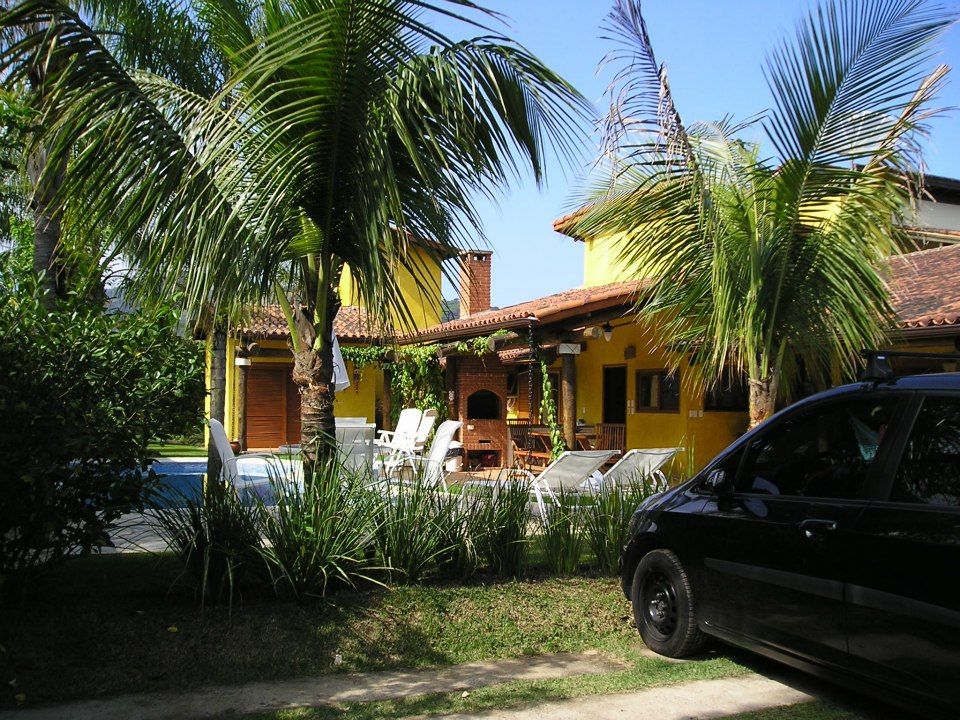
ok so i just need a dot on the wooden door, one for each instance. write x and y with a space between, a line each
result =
273 407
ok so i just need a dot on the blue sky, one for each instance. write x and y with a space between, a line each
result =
714 52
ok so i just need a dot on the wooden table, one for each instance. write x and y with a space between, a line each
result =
542 451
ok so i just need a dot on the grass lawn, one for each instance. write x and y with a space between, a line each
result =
175 450
113 624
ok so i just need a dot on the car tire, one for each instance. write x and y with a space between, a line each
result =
664 606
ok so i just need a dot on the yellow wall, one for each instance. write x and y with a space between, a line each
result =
601 263
423 303
705 432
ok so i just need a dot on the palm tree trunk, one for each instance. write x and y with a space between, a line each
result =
763 398
47 265
313 375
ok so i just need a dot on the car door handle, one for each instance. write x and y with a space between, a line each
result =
813 527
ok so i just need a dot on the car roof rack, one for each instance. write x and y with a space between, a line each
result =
878 367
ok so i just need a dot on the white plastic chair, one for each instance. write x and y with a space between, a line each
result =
350 420
433 466
404 435
251 472
423 429
639 463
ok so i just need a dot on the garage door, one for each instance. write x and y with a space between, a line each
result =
273 408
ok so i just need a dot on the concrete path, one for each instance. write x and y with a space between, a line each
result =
305 692
698 699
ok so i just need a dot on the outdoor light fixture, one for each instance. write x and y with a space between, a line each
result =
242 362
607 331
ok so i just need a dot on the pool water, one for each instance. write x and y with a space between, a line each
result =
183 480
180 481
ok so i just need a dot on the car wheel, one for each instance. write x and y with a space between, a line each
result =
664 607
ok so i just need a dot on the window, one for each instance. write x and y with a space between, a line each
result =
658 391
825 452
730 394
929 471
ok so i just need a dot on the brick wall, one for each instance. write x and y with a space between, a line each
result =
474 282
475 374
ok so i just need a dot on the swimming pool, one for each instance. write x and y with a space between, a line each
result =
181 480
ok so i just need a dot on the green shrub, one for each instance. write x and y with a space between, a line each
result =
503 526
562 534
320 536
81 394
217 537
607 519
417 529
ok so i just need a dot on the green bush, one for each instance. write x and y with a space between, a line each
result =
81 394
504 526
562 534
419 529
321 534
607 520
217 537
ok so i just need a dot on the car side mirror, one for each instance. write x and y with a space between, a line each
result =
717 481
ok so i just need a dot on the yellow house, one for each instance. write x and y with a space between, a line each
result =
261 402
610 377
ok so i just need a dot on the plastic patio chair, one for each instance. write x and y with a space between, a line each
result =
249 472
639 463
403 437
433 465
423 429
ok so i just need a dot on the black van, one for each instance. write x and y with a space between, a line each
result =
828 538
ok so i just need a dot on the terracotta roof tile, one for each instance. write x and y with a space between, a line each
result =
268 322
925 287
540 310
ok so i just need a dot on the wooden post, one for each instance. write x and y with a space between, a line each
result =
568 384
241 402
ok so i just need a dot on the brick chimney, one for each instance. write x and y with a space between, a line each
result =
474 282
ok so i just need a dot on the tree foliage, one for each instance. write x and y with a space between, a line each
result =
82 392
768 259
345 133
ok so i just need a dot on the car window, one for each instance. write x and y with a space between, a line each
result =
929 471
823 452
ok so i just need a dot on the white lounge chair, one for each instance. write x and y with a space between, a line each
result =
568 473
403 437
639 463
433 466
249 472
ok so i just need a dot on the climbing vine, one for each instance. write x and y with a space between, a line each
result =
416 378
548 410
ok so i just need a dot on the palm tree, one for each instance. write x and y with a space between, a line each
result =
156 35
348 133
768 263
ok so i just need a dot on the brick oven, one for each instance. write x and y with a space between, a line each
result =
480 400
